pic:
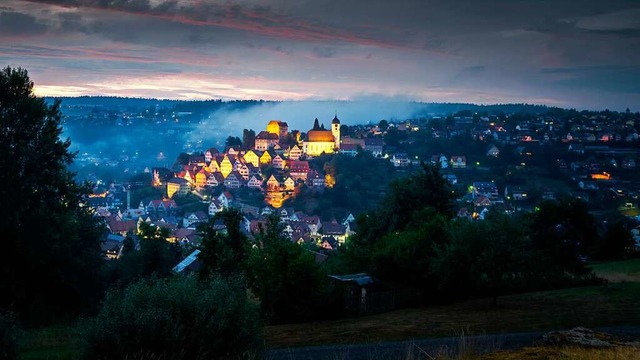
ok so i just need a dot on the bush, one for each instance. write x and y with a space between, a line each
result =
176 318
9 333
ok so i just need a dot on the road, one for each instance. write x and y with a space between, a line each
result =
424 348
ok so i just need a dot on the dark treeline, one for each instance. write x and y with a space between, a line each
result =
412 241
423 109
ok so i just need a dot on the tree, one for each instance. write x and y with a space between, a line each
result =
392 137
223 253
405 200
383 125
51 247
404 258
233 141
285 277
500 255
175 318
248 139
344 130
156 256
564 232
616 243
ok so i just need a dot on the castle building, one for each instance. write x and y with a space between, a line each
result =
279 128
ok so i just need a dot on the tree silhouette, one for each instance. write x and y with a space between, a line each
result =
51 254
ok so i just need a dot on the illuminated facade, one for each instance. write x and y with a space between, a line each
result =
265 140
177 186
321 141
279 128
252 158
226 167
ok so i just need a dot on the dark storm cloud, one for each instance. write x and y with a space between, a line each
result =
15 23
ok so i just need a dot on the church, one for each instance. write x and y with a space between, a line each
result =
319 140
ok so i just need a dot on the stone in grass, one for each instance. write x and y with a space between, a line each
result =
583 337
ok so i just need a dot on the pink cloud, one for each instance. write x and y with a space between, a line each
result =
236 17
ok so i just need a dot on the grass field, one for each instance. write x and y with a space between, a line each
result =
564 353
619 271
594 306
52 343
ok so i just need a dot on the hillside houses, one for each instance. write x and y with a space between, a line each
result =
281 166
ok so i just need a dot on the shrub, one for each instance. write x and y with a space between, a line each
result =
9 334
176 318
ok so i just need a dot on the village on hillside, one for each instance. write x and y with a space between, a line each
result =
493 163
275 167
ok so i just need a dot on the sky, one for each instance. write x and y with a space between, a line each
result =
568 53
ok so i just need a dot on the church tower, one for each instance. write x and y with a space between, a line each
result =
335 130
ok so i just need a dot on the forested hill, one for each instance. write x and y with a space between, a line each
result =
422 109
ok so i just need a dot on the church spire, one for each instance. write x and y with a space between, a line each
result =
316 125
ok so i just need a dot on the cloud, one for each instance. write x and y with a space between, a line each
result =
258 19
324 52
626 20
489 51
474 69
15 23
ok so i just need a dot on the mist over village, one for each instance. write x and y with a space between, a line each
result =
319 180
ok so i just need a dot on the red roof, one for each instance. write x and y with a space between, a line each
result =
298 166
320 136
117 226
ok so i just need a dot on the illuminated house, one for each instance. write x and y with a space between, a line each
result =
251 157
294 152
201 178
298 169
289 184
487 189
458 162
279 128
193 219
255 182
400 160
265 140
162 206
243 169
210 153
177 186
273 184
321 141
215 179
213 166
265 158
335 230
234 180
278 162
226 165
